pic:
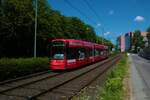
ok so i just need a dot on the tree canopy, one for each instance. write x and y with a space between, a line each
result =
17 28
137 40
148 36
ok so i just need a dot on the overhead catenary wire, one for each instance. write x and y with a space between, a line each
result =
97 15
82 13
91 8
78 10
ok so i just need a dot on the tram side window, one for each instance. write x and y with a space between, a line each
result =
91 52
105 53
96 52
88 52
102 52
72 53
99 51
76 53
81 53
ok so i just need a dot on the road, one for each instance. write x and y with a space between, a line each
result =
140 77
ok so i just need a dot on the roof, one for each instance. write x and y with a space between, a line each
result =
144 34
75 42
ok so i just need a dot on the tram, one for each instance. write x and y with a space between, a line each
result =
72 53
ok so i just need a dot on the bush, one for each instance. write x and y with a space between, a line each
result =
12 68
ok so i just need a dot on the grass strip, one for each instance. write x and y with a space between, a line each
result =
113 88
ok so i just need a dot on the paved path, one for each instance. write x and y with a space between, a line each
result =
140 77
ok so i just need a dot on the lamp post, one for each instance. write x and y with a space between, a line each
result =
102 35
35 31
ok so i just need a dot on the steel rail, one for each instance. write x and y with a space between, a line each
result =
21 78
28 83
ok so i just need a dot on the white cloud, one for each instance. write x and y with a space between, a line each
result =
107 33
98 25
111 12
139 19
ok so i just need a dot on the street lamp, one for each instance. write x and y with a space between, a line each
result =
36 6
102 35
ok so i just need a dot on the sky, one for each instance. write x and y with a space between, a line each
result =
109 18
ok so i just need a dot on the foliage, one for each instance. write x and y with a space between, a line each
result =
17 28
137 40
101 40
148 36
12 68
16 31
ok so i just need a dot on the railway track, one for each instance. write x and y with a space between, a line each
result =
23 77
56 86
22 81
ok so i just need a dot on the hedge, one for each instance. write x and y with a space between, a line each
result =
12 68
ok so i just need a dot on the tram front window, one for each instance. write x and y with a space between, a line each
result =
58 50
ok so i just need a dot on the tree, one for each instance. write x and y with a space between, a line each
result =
17 28
148 36
137 40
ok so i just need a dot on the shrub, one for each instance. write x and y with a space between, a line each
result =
12 68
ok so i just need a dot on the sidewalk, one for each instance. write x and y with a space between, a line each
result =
139 87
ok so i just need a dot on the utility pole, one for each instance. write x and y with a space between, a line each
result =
36 7
102 35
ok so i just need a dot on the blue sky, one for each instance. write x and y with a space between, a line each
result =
115 16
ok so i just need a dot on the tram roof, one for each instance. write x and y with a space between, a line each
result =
75 42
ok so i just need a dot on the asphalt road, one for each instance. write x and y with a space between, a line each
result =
140 77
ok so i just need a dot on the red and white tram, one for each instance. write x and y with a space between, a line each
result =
71 53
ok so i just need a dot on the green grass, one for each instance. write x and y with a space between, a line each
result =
113 88
12 68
